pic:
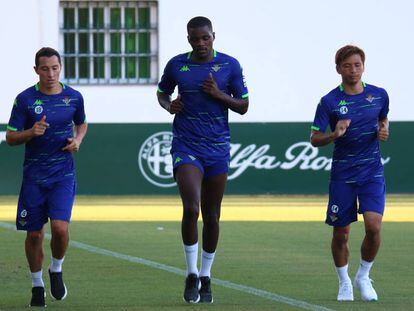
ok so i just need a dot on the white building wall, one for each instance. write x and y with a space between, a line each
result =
286 48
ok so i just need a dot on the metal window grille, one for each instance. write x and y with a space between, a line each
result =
109 42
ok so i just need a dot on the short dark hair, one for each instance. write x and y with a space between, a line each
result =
48 52
199 21
346 51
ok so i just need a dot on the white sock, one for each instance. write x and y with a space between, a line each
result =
343 274
364 268
56 265
191 252
206 263
37 279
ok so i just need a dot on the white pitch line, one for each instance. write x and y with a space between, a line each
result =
153 264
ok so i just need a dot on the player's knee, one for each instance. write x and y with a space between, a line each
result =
191 213
60 231
210 219
35 237
341 235
373 232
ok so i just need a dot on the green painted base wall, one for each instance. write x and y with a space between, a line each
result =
266 158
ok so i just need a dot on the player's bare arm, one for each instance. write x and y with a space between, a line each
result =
319 139
172 106
235 104
73 143
15 138
383 129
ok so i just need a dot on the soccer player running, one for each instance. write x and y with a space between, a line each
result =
209 83
44 118
357 115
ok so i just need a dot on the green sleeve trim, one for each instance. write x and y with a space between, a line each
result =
315 128
245 95
10 128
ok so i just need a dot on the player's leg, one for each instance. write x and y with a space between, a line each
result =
211 197
341 212
189 178
31 217
339 245
214 184
372 203
60 203
372 239
35 255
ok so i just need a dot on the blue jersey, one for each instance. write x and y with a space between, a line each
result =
202 125
356 155
44 159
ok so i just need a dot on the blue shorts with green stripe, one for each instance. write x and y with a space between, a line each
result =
39 202
207 165
347 200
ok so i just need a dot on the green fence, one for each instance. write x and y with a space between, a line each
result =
265 158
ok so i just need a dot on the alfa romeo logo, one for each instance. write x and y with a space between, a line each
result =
154 160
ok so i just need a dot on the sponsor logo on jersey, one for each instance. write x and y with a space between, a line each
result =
344 103
184 68
38 102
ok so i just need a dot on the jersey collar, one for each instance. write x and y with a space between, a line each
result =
341 86
37 86
189 54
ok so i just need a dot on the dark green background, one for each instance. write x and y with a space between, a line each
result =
107 161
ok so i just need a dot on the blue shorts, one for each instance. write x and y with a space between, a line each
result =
208 166
38 202
346 200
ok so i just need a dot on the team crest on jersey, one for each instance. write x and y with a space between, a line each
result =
23 213
154 160
216 67
343 110
38 109
371 98
67 100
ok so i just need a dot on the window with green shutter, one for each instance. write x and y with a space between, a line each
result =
109 42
